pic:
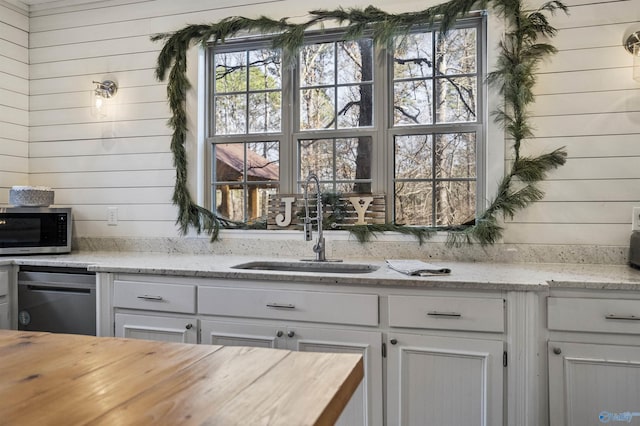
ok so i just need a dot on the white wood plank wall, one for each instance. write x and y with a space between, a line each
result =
587 101
14 98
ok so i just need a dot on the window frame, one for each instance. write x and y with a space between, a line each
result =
382 132
477 21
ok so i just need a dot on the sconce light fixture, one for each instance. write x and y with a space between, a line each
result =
104 90
632 44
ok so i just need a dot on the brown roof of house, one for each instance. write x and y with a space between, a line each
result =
258 167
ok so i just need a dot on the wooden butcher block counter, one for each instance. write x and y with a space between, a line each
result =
55 379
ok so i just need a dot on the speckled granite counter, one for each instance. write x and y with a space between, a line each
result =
484 276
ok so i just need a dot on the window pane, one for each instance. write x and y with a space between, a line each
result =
353 158
243 174
457 99
230 112
456 155
413 102
265 70
455 202
355 106
316 156
413 156
412 57
229 162
265 112
413 203
456 52
317 65
263 160
258 200
230 72
230 201
355 61
317 108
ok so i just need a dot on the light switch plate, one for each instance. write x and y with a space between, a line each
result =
112 216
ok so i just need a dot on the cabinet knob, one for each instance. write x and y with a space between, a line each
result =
189 326
279 333
291 333
557 351
393 341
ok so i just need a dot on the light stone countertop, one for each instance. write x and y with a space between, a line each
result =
464 275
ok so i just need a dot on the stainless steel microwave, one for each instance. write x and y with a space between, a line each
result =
35 230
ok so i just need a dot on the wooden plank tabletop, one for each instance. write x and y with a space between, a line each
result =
54 379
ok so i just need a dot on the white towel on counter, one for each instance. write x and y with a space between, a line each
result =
416 267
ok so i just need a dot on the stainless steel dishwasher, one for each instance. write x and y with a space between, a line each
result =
59 300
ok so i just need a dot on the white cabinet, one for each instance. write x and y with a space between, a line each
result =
149 327
5 319
591 384
155 311
235 334
272 318
435 378
154 296
365 407
444 381
444 349
594 360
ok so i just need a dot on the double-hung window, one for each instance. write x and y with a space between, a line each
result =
405 120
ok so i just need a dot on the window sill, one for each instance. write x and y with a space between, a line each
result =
284 235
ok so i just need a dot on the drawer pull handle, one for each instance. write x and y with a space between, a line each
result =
148 297
444 314
281 305
622 317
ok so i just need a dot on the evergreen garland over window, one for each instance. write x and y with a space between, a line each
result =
514 78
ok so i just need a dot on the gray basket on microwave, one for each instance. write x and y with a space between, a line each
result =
30 196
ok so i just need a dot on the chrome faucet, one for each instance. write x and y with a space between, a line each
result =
319 247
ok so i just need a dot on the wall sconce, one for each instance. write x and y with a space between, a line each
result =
632 44
103 91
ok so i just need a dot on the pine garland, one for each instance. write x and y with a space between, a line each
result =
520 55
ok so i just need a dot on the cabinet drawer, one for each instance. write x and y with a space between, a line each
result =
343 308
595 315
447 313
154 296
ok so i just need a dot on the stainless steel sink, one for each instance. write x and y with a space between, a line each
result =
302 266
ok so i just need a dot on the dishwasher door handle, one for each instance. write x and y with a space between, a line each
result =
58 289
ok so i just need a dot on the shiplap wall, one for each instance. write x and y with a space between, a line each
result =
587 101
14 98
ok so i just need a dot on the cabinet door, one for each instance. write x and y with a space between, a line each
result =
236 334
5 322
165 329
593 384
444 381
365 406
